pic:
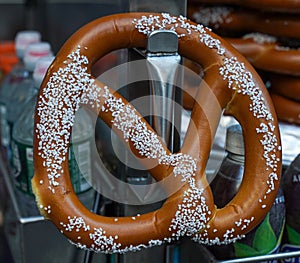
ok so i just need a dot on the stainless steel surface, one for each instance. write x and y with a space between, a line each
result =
163 61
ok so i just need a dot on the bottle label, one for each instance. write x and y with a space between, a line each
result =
287 248
267 236
79 165
5 130
263 239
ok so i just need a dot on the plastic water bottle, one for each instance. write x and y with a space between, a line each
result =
80 153
22 158
26 89
266 237
13 79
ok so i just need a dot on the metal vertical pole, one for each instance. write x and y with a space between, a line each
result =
162 63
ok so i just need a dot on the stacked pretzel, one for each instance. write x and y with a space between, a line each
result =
267 34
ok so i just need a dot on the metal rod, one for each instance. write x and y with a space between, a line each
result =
163 61
264 257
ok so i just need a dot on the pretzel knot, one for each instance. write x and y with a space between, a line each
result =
229 82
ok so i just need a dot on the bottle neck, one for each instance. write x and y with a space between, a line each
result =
27 74
236 157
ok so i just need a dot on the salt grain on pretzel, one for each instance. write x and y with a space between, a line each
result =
191 210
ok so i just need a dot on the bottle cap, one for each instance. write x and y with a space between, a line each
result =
235 140
7 62
294 167
7 47
34 52
40 69
24 38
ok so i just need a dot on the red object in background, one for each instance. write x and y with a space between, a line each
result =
7 47
105 63
8 57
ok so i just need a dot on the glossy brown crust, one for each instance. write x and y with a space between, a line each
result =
192 79
289 6
188 97
241 21
269 56
121 33
285 85
287 110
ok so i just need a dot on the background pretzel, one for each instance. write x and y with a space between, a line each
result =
265 53
284 85
236 21
289 6
229 82
287 110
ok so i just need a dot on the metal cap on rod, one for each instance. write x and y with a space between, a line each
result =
162 42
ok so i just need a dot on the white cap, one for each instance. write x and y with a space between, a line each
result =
24 38
40 69
34 52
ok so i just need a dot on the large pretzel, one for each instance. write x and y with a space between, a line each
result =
289 6
229 81
265 53
229 20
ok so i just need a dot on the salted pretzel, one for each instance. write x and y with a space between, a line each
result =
285 85
287 110
236 21
229 82
286 6
265 53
